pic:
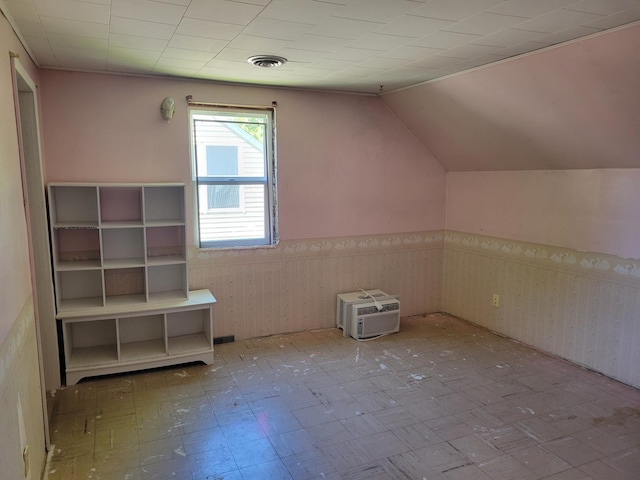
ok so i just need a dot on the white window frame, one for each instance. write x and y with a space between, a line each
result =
270 236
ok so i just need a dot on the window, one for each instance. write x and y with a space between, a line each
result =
222 160
234 172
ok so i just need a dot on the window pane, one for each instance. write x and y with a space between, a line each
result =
222 160
223 196
245 223
230 148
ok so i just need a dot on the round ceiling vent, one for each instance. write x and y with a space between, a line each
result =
267 61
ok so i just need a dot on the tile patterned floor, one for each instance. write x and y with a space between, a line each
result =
442 399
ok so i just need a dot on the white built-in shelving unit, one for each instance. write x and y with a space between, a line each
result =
120 267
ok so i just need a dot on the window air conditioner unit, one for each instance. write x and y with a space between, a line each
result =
375 318
345 312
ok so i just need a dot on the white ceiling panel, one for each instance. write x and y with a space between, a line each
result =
379 11
140 28
508 37
455 10
603 7
130 60
468 51
138 43
116 53
272 28
377 41
253 43
344 28
31 29
558 20
93 58
148 10
567 35
300 11
444 40
184 3
383 63
62 26
529 9
72 10
223 11
356 45
485 24
43 46
352 54
207 29
23 12
524 47
616 19
414 26
411 53
197 43
182 63
318 43
70 42
192 55
436 62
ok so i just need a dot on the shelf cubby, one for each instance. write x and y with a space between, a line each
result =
73 206
141 337
77 248
123 247
79 289
90 343
124 286
167 282
188 331
121 205
165 244
164 205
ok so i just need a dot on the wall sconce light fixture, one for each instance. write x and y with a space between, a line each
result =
167 108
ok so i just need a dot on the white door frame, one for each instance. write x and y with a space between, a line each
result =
27 114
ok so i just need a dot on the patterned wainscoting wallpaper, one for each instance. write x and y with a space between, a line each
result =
293 287
581 306
21 397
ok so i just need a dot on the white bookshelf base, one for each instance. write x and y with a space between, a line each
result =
122 338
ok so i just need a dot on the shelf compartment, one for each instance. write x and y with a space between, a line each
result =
164 204
77 248
141 337
165 245
90 343
167 282
73 205
124 286
189 331
188 343
120 205
123 247
79 289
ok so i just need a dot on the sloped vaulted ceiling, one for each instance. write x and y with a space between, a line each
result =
575 106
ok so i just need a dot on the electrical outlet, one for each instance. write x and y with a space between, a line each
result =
495 301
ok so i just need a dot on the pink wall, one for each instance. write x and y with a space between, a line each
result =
346 166
15 276
575 106
553 139
591 210
19 375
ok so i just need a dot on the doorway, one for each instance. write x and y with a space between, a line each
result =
37 225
